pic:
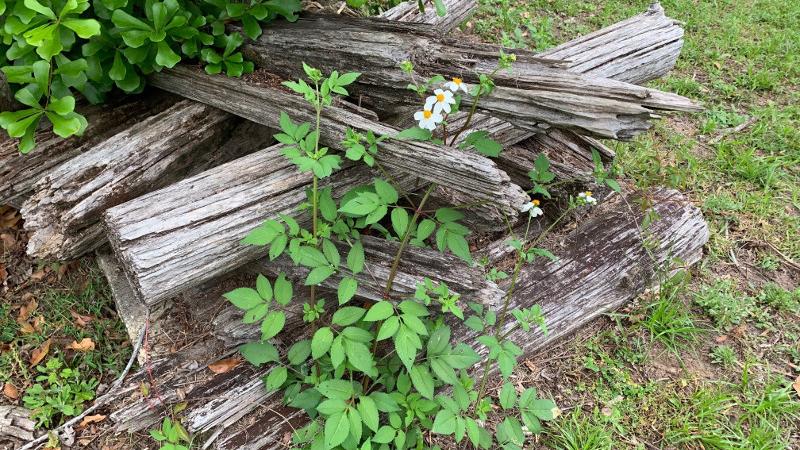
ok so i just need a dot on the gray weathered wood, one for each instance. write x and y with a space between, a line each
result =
539 95
409 12
602 265
15 425
7 102
64 211
190 232
469 173
417 264
19 172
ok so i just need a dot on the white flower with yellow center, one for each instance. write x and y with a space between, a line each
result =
532 208
427 118
441 101
587 199
456 84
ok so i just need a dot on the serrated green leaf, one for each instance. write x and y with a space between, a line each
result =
276 378
272 324
348 315
318 275
347 289
321 342
258 353
379 311
244 298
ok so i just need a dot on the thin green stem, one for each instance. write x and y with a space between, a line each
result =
406 238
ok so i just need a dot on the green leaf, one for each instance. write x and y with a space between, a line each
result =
63 126
422 380
276 378
321 342
612 183
244 298
355 258
441 8
388 328
299 352
448 215
255 314
332 406
359 356
264 288
379 311
439 340
85 28
415 134
338 389
399 221
331 252
347 289
272 325
166 56
425 229
347 78
361 205
406 344
444 422
508 396
348 315
459 246
289 9
277 246
39 8
318 275
544 409
283 290
369 412
386 191
384 435
337 352
62 106
258 353
337 428
264 234
443 370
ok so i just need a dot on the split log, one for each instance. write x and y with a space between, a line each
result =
416 265
19 172
468 173
179 236
408 11
537 95
65 210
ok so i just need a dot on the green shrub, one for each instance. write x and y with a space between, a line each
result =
59 393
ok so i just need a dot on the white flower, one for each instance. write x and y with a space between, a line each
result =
427 118
532 208
440 100
455 84
586 198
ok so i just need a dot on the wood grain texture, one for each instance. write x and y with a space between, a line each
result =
19 172
602 265
191 231
408 11
471 174
64 211
417 264
540 95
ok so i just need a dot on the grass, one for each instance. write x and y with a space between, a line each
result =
67 309
705 363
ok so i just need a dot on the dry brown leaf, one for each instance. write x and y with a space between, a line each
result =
26 309
39 353
80 319
796 385
26 328
224 365
10 391
3 273
39 275
91 419
38 322
85 345
9 243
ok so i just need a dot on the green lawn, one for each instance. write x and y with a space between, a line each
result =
707 362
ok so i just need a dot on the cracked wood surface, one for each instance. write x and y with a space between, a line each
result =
601 265
408 11
19 172
64 211
539 94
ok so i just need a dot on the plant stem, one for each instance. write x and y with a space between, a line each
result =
406 238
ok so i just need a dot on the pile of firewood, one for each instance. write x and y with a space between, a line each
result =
165 185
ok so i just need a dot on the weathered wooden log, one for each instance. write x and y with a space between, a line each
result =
19 172
469 173
539 95
601 265
190 232
65 210
7 101
15 425
409 12
417 264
